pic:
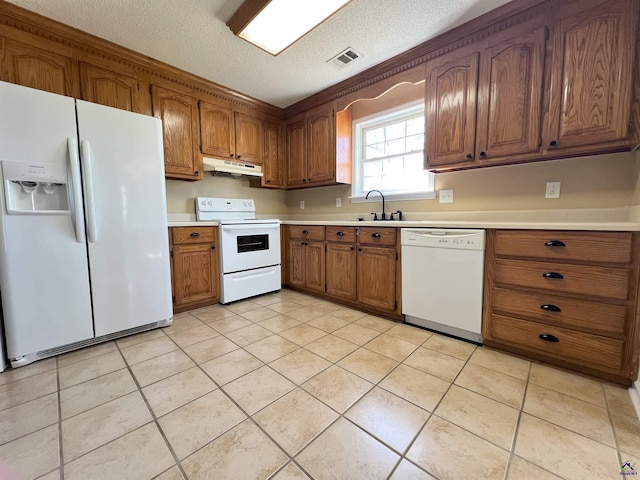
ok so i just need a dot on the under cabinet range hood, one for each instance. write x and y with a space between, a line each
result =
231 167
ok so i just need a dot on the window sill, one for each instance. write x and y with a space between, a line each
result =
393 197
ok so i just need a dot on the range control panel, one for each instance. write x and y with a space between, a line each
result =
212 204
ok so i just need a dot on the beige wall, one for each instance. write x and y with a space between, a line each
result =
590 182
602 181
181 195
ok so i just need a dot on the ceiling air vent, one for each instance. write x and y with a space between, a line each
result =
344 58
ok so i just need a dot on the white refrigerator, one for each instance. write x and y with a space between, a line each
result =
84 254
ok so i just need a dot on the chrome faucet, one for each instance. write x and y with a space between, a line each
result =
384 215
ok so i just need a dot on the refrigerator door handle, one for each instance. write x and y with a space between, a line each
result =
85 158
76 190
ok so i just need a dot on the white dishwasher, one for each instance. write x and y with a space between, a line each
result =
442 280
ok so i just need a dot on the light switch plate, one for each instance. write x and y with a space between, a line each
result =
338 202
301 204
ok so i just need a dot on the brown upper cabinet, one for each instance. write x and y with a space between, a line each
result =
483 102
591 76
179 114
106 87
534 92
311 149
273 165
40 64
230 134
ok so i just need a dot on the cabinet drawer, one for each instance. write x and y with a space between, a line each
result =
185 235
573 346
306 232
606 247
377 236
600 318
341 234
578 279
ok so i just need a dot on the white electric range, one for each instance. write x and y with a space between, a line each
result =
249 247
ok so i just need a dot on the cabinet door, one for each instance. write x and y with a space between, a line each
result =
38 65
450 110
510 98
216 130
296 263
591 74
195 273
314 266
249 138
321 146
105 87
273 165
296 164
179 114
377 277
341 271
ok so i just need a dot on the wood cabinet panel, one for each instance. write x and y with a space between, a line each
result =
609 283
216 130
296 265
510 94
321 159
588 316
450 109
315 266
296 152
38 65
249 136
273 168
179 114
591 74
341 234
377 277
306 232
605 247
109 88
184 235
572 345
378 236
341 271
195 273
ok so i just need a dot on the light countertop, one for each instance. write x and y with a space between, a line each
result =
603 219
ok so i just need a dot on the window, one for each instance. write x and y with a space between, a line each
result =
389 155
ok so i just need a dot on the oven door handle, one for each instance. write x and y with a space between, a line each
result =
250 226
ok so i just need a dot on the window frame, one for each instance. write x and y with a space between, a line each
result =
385 117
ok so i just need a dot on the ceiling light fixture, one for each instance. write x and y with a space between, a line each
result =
273 25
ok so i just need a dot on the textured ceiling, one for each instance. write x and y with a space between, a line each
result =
192 35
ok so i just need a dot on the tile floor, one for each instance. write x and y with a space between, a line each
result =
285 386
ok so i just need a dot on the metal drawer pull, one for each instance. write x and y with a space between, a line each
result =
554 243
550 308
548 338
375 235
305 232
195 235
340 234
552 275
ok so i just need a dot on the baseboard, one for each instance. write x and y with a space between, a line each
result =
634 392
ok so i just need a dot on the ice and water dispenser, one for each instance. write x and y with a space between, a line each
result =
35 188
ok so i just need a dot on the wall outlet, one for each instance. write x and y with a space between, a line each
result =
338 202
445 196
301 204
553 190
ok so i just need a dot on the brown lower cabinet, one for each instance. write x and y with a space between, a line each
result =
357 266
565 298
195 272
